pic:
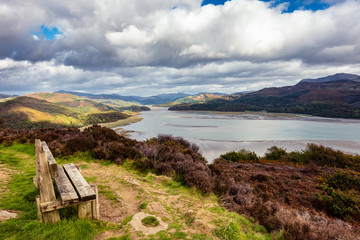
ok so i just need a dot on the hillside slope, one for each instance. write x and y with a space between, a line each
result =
333 98
28 112
76 103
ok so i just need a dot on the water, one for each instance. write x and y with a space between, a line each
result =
217 133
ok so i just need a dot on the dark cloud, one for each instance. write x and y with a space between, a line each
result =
142 47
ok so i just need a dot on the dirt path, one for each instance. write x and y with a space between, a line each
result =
5 175
123 194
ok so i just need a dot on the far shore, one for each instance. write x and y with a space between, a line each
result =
119 123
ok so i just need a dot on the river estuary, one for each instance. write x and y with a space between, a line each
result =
217 133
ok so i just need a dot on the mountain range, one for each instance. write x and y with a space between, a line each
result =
157 99
332 96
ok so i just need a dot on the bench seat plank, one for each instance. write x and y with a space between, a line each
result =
67 192
51 160
82 188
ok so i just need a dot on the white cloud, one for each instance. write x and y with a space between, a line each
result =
156 45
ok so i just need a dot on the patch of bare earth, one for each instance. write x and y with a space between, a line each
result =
5 175
121 194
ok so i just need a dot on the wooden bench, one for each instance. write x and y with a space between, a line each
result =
72 187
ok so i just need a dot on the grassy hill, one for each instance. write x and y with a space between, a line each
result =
64 110
75 103
334 98
123 192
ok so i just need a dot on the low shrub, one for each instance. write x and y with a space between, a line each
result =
275 153
341 196
240 156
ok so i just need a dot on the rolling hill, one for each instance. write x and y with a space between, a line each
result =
75 103
30 112
332 96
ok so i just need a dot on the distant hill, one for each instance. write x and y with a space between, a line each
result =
29 112
6 95
157 99
200 98
336 77
333 96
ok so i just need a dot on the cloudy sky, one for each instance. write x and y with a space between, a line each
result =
148 47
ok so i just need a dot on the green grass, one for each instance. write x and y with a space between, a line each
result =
150 221
143 205
21 198
110 194
124 237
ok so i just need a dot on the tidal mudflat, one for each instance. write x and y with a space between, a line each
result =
217 133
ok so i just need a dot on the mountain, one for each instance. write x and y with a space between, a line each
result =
157 99
6 95
30 112
336 77
333 96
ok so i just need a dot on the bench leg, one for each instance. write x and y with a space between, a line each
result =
85 210
95 203
38 208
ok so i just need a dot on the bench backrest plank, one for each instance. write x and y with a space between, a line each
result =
47 193
67 192
51 160
82 188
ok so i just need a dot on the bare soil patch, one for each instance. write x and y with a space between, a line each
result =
122 193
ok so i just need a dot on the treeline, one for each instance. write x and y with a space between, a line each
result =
285 198
286 104
95 118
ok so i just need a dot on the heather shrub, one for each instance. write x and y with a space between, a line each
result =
179 142
102 134
2 123
240 156
78 144
177 158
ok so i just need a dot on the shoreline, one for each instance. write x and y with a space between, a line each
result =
120 123
261 115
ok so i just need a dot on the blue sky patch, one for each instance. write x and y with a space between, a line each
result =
312 5
294 5
47 33
214 2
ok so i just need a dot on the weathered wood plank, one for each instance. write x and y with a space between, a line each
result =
55 205
66 189
85 210
38 208
51 160
47 193
82 188
95 203
38 150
